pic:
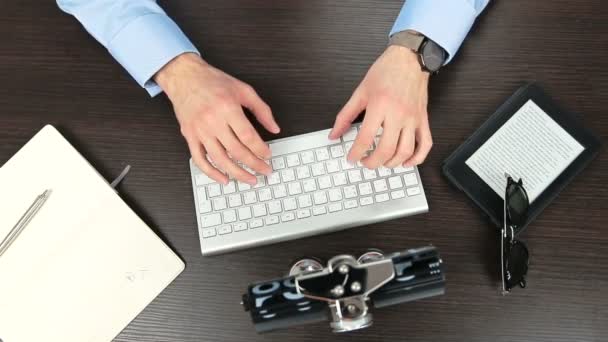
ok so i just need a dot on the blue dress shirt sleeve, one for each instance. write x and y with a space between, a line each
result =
138 34
446 22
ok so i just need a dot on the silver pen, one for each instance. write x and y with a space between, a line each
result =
24 221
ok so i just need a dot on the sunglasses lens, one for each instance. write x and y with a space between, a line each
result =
517 204
516 264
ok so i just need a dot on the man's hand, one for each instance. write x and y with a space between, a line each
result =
394 96
208 105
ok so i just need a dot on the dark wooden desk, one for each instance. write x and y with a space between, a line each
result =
305 58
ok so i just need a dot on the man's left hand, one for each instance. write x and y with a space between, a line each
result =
394 97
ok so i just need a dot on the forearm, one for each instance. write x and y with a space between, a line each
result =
137 33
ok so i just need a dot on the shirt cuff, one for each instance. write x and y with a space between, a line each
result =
447 23
146 44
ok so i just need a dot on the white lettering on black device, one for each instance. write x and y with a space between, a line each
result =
345 290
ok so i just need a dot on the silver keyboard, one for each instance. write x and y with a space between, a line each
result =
312 190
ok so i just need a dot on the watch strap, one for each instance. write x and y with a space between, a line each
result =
409 39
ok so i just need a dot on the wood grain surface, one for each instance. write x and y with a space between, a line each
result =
305 58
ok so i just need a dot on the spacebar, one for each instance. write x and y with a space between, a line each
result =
302 143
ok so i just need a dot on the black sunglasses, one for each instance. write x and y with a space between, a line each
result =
514 254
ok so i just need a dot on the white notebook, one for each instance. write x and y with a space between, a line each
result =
86 265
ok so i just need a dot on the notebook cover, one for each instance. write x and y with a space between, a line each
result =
86 265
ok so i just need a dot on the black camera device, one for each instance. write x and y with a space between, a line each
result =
345 290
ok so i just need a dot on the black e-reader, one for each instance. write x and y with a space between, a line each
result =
528 137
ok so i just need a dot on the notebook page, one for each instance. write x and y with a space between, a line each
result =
531 146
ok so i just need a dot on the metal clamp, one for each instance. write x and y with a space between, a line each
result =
345 284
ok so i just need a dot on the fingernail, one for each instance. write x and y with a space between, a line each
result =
331 134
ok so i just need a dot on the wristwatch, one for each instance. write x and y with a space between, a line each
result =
430 55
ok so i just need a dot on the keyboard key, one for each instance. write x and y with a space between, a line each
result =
402 169
240 226
244 213
278 163
384 171
365 189
322 153
410 179
224 230
264 194
335 207
274 207
332 166
334 195
259 210
293 160
250 197
304 201
366 200
274 178
350 191
270 220
324 182
235 200
348 146
279 191
256 224
369 174
397 194
289 204
244 186
339 179
309 185
303 172
214 190
202 179
320 197
395 182
350 135
380 185
219 203
317 169
295 188
288 175
260 181
229 216
350 204
354 176
230 188
382 197
345 164
208 232
204 205
289 216
336 151
307 157
413 191
303 213
319 211
211 220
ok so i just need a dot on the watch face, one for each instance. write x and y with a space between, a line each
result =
433 56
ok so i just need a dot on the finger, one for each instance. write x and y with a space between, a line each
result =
424 144
365 138
248 135
386 147
252 101
199 157
404 148
239 152
355 105
220 158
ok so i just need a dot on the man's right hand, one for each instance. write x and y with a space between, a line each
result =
208 105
